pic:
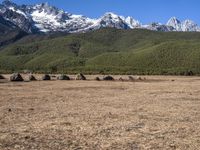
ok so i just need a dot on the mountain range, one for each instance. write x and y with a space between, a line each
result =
39 38
43 18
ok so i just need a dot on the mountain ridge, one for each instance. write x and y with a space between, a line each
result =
45 18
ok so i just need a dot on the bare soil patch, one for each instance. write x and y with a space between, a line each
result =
162 112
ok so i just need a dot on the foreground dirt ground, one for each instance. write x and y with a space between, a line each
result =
159 113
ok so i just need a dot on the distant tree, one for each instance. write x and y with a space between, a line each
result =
53 69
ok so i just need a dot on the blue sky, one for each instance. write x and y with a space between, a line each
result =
145 11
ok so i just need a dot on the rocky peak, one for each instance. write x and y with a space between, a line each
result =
132 22
175 23
8 3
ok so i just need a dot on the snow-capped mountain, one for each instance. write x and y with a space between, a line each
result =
112 20
158 27
10 12
132 23
187 25
46 18
175 23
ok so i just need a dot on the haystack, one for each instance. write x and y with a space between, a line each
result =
108 78
139 78
121 79
80 77
188 73
46 77
2 77
63 77
16 77
32 78
131 78
97 79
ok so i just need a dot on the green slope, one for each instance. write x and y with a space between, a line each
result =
106 51
9 33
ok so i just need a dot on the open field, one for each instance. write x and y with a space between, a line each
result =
162 112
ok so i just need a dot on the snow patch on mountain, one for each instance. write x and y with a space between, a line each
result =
132 23
18 11
187 25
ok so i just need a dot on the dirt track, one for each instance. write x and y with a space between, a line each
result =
155 114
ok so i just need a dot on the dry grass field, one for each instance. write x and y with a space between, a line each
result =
158 113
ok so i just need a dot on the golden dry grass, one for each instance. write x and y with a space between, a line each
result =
61 115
